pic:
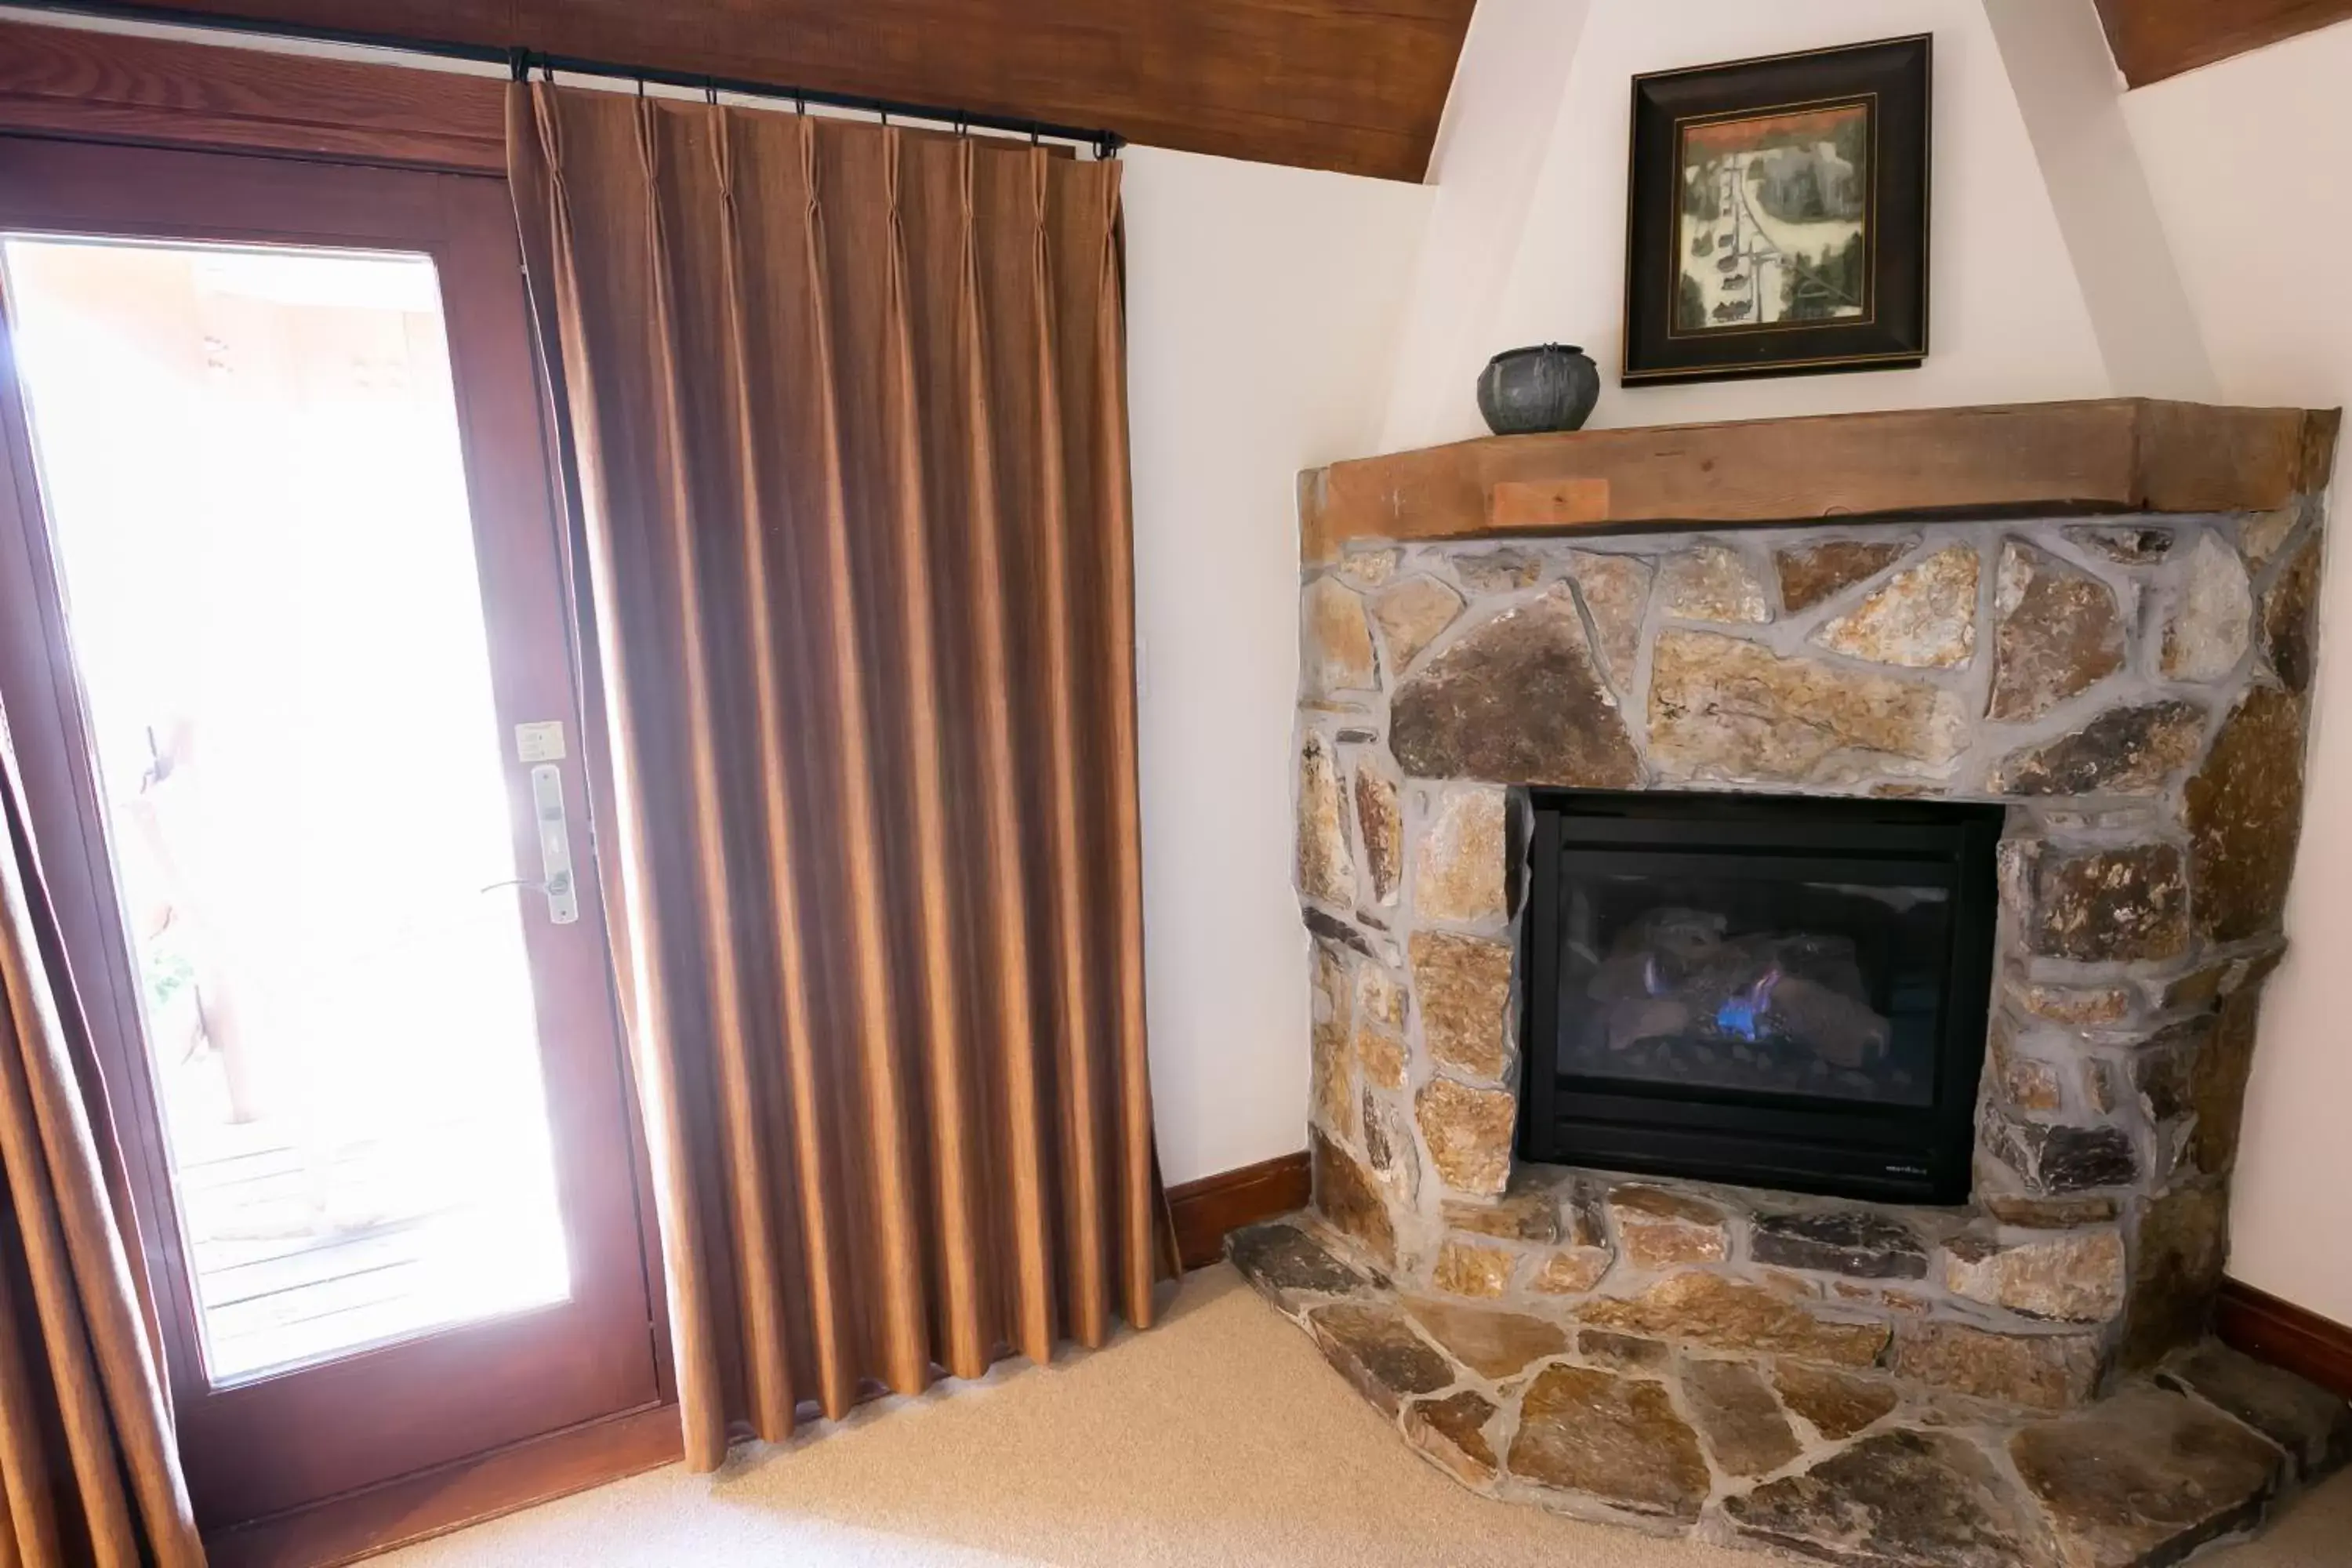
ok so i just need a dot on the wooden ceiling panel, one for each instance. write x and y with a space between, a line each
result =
1356 86
2153 40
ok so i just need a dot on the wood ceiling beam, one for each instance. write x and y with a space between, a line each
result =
2153 40
1355 86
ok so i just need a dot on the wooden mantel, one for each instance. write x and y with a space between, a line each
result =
2119 455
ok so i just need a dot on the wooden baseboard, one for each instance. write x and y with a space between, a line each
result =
1207 1209
2286 1335
361 1524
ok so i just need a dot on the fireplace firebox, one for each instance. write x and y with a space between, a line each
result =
1779 993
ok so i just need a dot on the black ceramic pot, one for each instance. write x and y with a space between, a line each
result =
1552 386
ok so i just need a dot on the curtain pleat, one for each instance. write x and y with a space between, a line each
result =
87 1469
845 408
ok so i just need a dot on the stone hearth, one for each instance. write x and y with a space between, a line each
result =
2010 1381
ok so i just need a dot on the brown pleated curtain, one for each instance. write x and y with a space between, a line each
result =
88 1472
847 434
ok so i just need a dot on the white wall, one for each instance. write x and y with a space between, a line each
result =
2008 322
1262 310
2245 161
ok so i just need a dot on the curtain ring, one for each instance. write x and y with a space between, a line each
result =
962 128
1033 135
886 119
711 91
641 86
800 103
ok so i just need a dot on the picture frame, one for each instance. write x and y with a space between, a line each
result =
1777 219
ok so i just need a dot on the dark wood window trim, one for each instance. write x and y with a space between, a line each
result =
90 86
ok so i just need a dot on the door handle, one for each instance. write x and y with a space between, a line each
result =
554 844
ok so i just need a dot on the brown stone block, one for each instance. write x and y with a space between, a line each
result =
1453 1432
2058 633
2244 812
1373 1346
2312 1424
1707 1309
1624 1353
2183 1243
2040 1372
1838 1403
1854 1242
1287 1263
1347 1195
2145 1477
1515 701
2290 619
2125 750
1496 1346
1611 1438
1382 823
2098 906
1814 574
1742 1423
1924 1500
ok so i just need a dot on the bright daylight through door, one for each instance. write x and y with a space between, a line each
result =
249 459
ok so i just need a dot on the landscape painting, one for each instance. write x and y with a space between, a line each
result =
1773 219
1776 214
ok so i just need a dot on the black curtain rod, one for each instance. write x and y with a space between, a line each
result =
520 62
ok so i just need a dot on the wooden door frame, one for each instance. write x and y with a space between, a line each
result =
72 84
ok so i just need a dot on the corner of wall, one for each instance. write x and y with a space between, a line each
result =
2070 96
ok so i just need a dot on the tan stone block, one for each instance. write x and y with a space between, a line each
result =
1470 1269
1381 1056
1338 655
1464 985
2073 1275
1410 615
1924 617
1659 1228
1458 865
1468 1133
1327 867
1616 594
1572 1270
1711 583
1723 708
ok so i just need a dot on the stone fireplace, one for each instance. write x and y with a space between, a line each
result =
2105 669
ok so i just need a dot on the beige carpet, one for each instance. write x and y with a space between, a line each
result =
1219 1437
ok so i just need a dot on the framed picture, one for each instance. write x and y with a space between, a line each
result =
1778 219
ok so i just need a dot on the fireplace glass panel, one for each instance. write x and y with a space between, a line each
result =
1785 978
